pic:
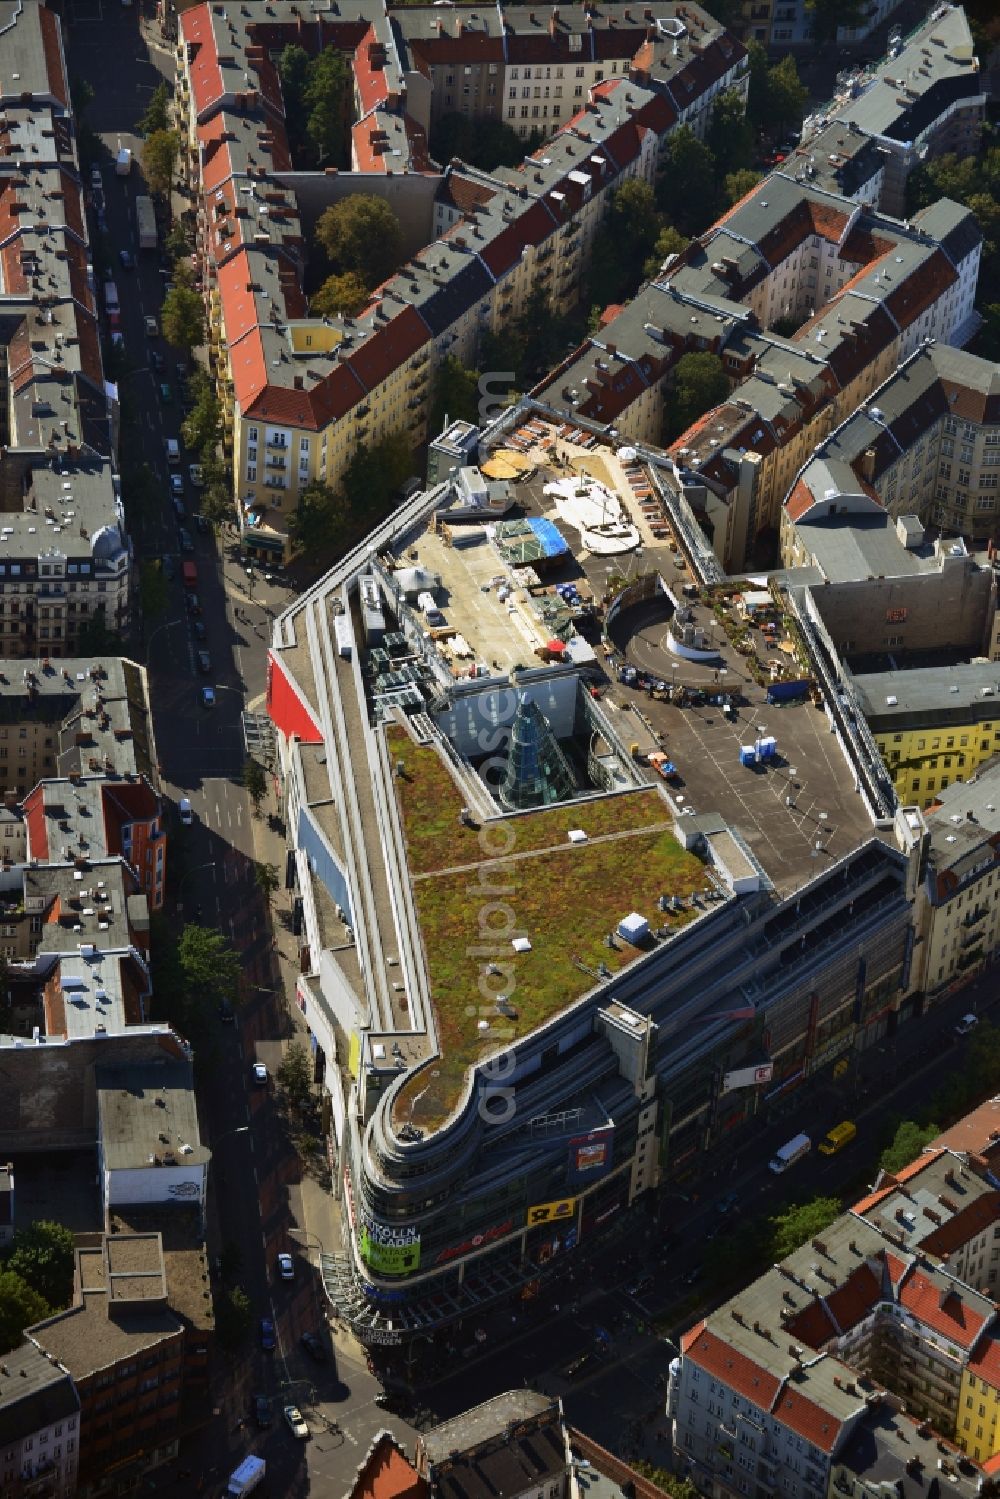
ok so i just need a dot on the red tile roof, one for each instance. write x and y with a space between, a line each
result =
206 75
807 1419
369 72
799 501
389 346
387 1474
814 1326
735 1369
966 1224
53 55
849 1303
985 1362
954 1319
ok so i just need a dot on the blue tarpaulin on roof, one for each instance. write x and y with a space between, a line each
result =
548 536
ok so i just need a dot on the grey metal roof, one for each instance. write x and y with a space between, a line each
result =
34 1393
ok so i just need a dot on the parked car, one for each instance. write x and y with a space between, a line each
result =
202 523
296 1424
176 484
208 697
156 360
312 1345
166 394
286 1267
187 545
152 328
125 256
204 663
182 370
267 1334
263 1410
186 811
95 177
200 633
259 1073
193 603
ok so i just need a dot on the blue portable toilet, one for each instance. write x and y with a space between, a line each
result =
747 754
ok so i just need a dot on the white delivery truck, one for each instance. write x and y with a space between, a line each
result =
427 605
145 218
790 1153
246 1477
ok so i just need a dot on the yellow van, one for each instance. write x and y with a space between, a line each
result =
839 1136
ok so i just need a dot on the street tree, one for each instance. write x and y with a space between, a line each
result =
688 192
254 782
730 134
182 318
216 503
346 294
361 233
152 589
907 1143
159 157
43 1255
233 1315
294 1077
327 99
208 964
266 880
455 396
737 184
157 114
202 427
699 383
797 1225
177 243
20 1306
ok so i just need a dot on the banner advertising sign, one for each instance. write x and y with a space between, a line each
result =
551 1212
389 1249
748 1077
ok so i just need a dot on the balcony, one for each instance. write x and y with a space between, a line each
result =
271 462
973 918
280 443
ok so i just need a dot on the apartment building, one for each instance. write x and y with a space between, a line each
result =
301 395
39 1427
867 292
65 557
122 1347
797 1382
515 1444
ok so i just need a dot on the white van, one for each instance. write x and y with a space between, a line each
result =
186 811
429 609
789 1154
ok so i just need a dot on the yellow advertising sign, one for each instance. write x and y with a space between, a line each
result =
552 1212
354 1055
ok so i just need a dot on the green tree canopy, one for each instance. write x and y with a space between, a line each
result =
455 396
730 134
208 964
907 1143
796 1225
624 242
738 184
787 94
327 98
159 157
362 234
346 293
699 383
319 521
202 427
669 241
157 115
266 880
254 781
182 318
688 192
373 478
152 589
233 1315
825 16
293 70
20 1306
294 1076
487 144
43 1254
178 242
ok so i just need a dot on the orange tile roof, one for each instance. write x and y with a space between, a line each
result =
735 1369
849 1303
206 75
807 1419
814 1326
799 501
387 1474
896 1267
971 1221
954 1319
52 48
985 1362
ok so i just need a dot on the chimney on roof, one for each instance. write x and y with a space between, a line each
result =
612 349
868 465
554 22
298 382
